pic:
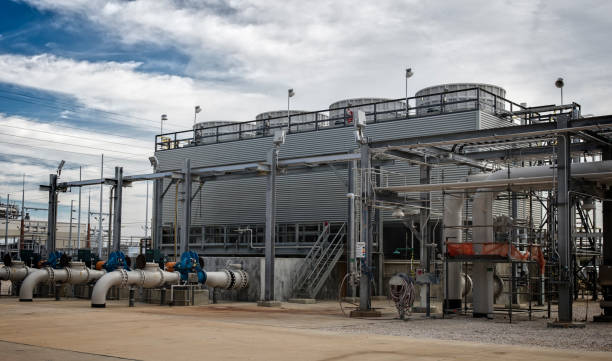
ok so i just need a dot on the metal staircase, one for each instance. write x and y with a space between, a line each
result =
319 262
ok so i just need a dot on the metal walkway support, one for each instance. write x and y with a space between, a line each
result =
564 218
186 191
270 233
52 214
319 262
117 203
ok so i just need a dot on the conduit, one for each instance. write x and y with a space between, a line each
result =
76 273
482 220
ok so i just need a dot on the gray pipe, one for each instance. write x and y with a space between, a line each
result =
151 277
16 272
227 279
75 274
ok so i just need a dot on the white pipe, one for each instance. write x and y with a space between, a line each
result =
227 279
16 272
482 219
152 276
75 274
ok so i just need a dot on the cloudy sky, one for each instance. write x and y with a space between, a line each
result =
83 77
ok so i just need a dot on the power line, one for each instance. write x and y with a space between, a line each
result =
73 108
62 143
67 135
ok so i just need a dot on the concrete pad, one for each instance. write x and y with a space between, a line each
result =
269 303
304 301
419 309
368 313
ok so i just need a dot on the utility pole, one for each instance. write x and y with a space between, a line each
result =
79 216
89 220
21 229
100 218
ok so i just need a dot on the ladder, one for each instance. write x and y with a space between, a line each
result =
319 262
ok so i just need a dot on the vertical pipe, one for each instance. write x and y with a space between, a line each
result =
117 213
51 214
147 212
380 239
564 223
186 203
425 259
79 216
351 228
364 281
100 214
70 227
22 228
270 232
89 219
6 244
110 220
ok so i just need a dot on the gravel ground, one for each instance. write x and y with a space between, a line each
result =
594 337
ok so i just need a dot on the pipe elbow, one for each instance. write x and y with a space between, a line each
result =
98 295
32 280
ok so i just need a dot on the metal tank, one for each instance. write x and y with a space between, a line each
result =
385 109
301 120
430 104
220 131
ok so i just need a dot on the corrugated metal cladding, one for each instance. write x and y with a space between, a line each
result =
309 197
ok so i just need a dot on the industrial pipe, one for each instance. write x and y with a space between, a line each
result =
150 277
227 279
76 273
482 219
15 272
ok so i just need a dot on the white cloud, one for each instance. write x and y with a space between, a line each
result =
332 50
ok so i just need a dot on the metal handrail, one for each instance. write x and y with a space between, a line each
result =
263 127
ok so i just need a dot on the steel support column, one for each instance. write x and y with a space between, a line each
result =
52 215
186 205
117 200
270 232
366 266
379 219
564 218
351 266
605 270
425 249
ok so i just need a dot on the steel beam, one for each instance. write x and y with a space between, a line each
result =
531 131
366 266
270 232
117 205
52 215
186 190
564 225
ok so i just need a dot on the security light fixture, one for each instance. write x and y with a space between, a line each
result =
398 213
60 166
409 73
559 84
290 93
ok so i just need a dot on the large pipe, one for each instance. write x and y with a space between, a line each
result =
482 219
76 273
152 276
227 279
16 272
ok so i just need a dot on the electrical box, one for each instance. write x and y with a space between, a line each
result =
192 277
359 117
360 250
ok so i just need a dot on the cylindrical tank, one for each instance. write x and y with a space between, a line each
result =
386 109
219 131
301 120
430 104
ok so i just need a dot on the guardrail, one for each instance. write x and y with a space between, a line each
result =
376 112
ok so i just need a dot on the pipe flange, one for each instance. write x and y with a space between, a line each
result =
88 274
8 272
143 277
124 277
232 282
68 275
245 279
51 274
162 279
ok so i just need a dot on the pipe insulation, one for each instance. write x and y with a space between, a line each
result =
17 272
76 273
149 277
482 220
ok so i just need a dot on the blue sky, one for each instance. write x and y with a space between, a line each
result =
83 77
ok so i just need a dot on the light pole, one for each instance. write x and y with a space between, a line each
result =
164 118
559 84
195 113
290 94
409 74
